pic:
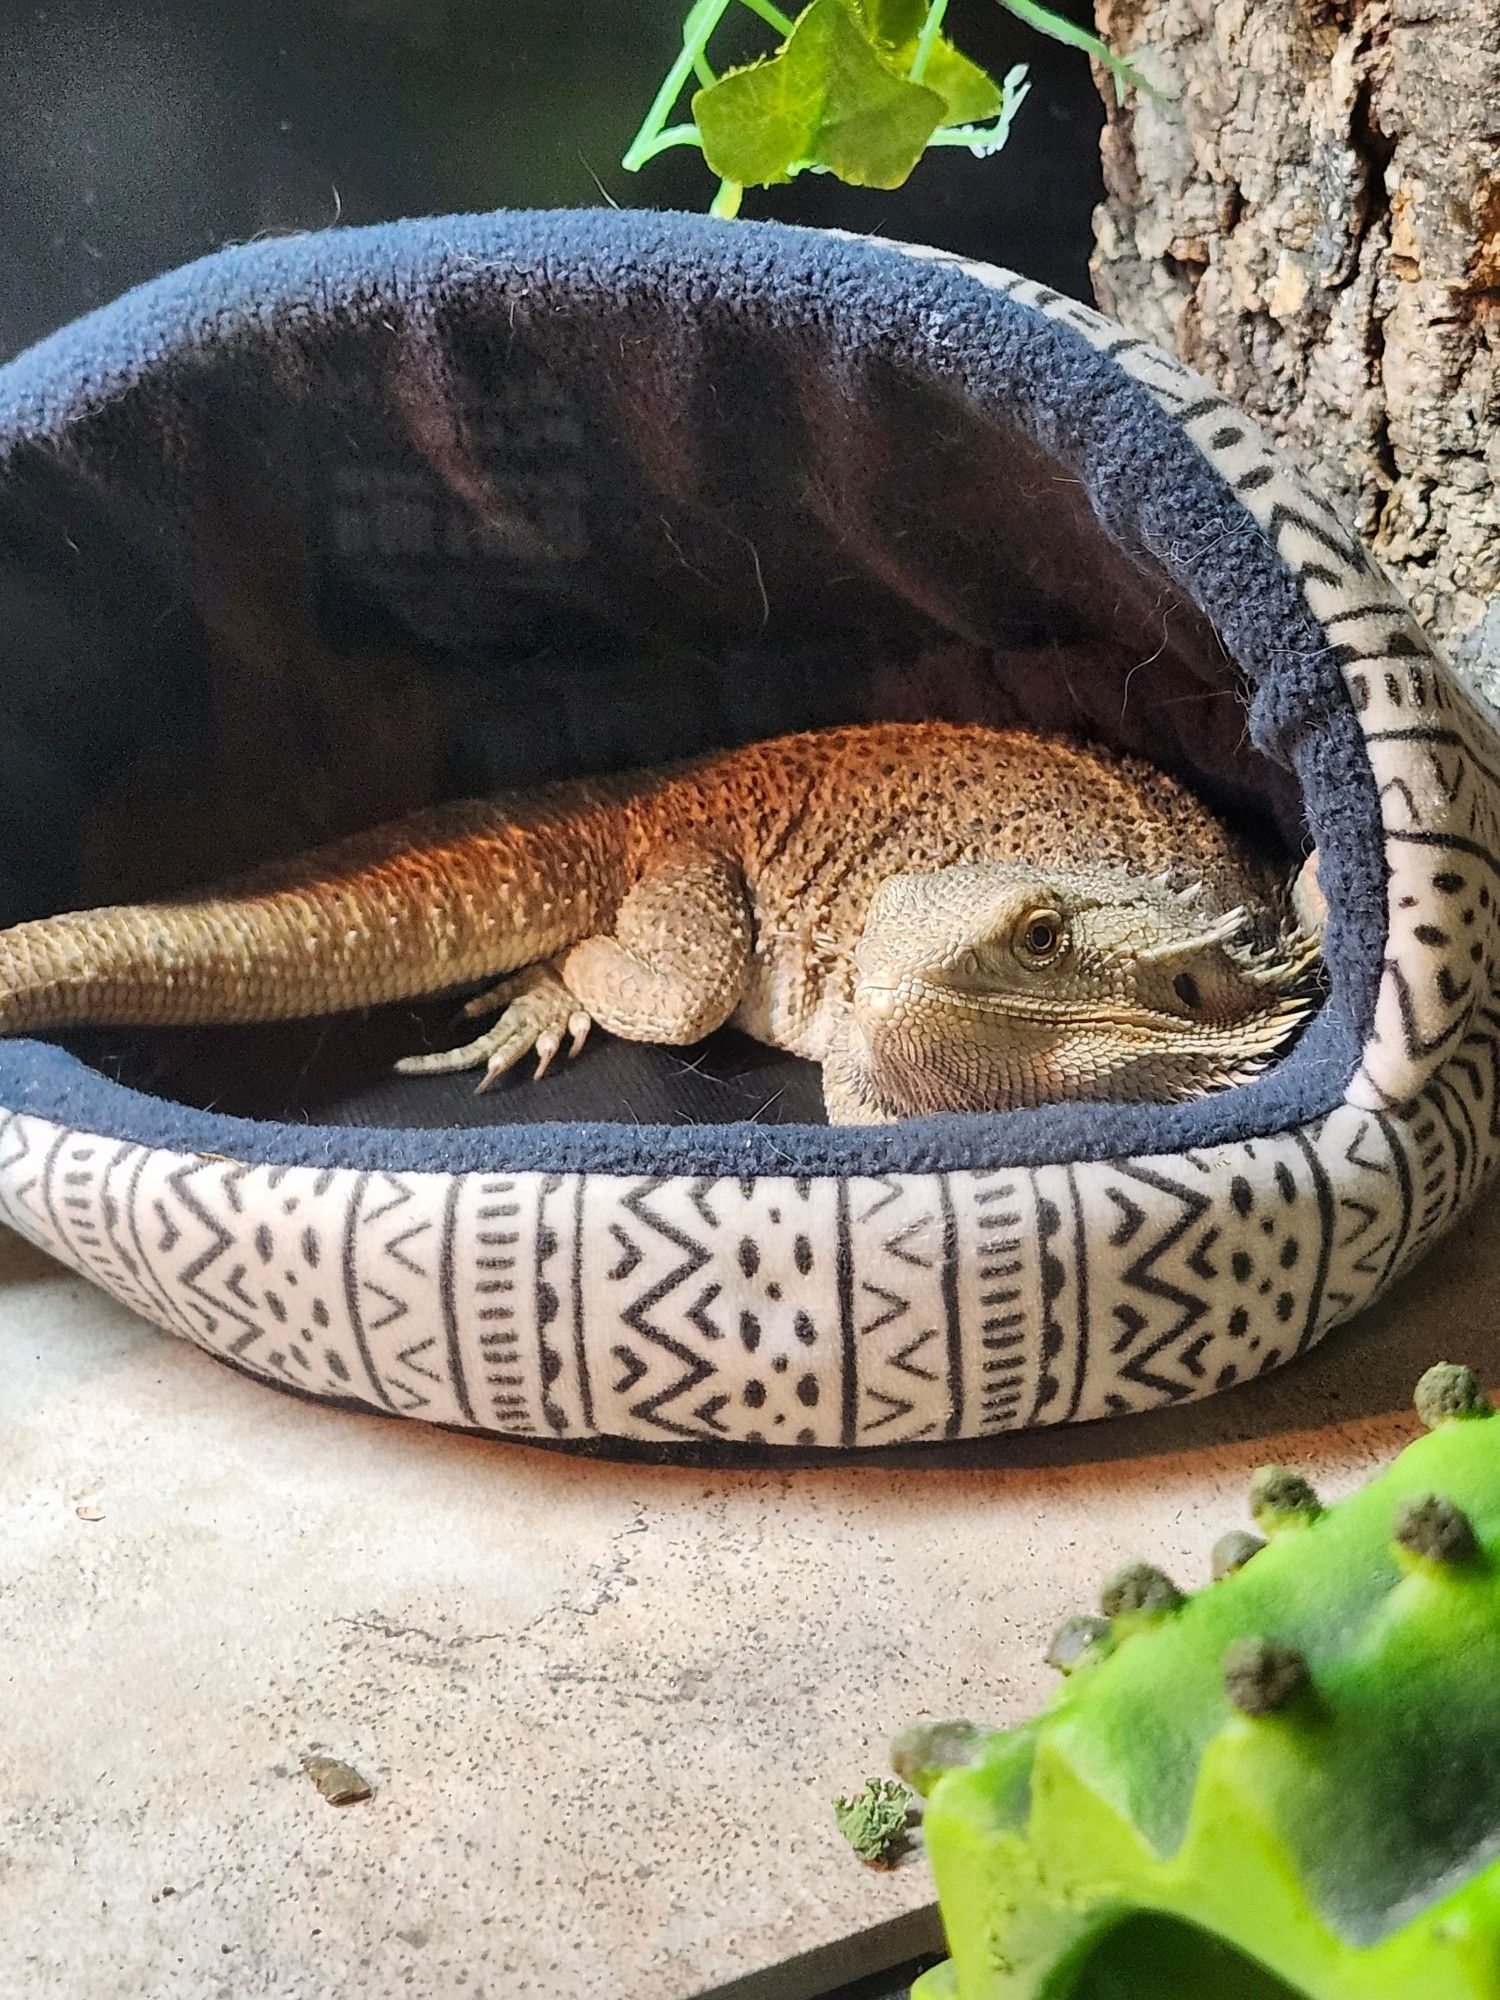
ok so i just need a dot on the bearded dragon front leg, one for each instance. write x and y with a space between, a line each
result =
671 973
675 968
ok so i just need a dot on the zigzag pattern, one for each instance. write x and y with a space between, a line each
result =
885 1310
693 1368
1149 1293
213 1307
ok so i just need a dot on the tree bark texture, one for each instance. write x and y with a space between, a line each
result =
1310 216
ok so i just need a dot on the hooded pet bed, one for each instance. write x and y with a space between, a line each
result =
316 530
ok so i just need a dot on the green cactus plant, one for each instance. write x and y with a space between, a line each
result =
1285 1786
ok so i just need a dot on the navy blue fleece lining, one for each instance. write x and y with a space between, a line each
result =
1148 485
47 1082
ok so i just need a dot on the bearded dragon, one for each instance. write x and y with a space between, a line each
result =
945 917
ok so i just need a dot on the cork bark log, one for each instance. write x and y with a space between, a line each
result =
1310 216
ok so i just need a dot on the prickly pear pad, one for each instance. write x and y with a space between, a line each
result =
1332 1832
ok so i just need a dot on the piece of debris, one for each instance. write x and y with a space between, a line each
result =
874 1821
89 1513
338 1782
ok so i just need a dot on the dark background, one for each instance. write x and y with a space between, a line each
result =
136 136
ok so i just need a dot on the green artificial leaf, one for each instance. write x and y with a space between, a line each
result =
828 99
894 23
970 93
757 125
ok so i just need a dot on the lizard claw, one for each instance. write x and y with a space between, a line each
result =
501 1052
538 1012
547 1046
441 1061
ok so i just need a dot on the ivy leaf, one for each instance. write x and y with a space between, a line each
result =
970 93
828 99
894 23
757 125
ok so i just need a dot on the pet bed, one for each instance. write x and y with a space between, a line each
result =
322 528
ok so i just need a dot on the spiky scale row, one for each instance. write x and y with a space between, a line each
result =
1287 1777
1433 1528
1262 1678
924 1750
1232 1551
1448 1391
1077 1640
1139 1589
1281 1499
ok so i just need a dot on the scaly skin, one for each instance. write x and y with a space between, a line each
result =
1283 1787
854 896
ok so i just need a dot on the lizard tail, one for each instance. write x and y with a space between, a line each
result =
455 895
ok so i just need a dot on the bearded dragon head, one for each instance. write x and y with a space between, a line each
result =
993 986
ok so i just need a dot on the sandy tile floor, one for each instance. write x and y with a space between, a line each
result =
603 1706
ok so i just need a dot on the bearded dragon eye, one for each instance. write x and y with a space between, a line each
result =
1042 935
